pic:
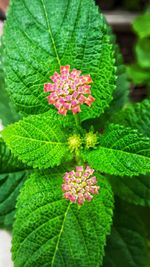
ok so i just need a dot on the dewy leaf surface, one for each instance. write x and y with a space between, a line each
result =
38 141
12 176
127 245
134 190
49 231
41 36
122 151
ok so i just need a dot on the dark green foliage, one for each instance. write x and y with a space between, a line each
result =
120 96
12 177
80 235
7 112
135 190
38 141
122 151
127 244
10 184
55 33
136 116
139 71
138 75
134 5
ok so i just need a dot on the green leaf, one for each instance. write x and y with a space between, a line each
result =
135 190
127 244
143 53
38 141
137 74
122 151
52 33
49 231
141 25
12 176
10 185
136 116
7 112
120 95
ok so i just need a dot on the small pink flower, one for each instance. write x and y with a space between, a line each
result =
79 185
69 90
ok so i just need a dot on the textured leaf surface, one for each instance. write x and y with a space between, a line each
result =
10 185
136 116
7 112
120 96
135 190
49 231
122 151
42 36
127 244
12 176
38 140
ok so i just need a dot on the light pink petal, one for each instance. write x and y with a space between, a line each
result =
68 97
58 105
94 189
81 99
67 195
92 181
51 99
75 73
49 87
73 198
81 89
89 170
72 173
62 111
74 102
86 89
65 69
89 100
55 77
80 201
88 196
66 187
75 94
78 174
76 109
79 168
61 100
67 106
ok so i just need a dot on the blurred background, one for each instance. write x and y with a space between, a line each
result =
130 22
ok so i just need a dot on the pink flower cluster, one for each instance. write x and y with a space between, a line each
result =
79 185
69 90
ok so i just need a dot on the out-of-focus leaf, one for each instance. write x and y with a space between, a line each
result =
143 53
137 74
141 25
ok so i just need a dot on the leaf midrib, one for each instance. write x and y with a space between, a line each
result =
37 140
122 151
59 236
50 33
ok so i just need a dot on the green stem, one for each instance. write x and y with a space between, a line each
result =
77 156
77 151
77 121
